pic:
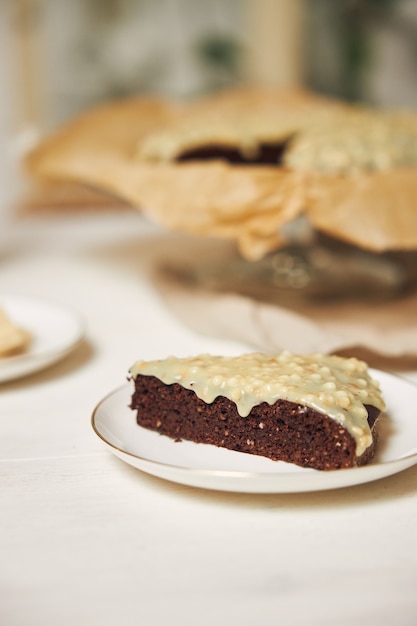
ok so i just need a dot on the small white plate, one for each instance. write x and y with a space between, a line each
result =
55 332
209 467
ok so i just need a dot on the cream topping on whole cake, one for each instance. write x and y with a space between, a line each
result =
332 385
362 140
336 142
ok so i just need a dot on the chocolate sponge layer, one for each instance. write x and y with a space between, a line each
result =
283 431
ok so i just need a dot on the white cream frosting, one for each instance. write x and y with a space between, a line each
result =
332 385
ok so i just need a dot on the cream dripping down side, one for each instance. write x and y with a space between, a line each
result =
335 386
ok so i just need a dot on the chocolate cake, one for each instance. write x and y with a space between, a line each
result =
244 164
316 411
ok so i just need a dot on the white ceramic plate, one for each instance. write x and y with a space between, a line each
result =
55 331
209 467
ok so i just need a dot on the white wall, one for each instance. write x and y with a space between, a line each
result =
8 111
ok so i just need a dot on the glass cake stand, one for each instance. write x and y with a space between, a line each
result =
321 270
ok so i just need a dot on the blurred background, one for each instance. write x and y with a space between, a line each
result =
58 57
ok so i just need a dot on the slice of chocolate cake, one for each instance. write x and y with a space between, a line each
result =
314 410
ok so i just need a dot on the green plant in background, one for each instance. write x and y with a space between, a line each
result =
137 46
354 21
344 39
220 58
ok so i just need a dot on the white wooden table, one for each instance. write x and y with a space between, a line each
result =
86 539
